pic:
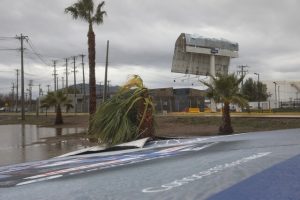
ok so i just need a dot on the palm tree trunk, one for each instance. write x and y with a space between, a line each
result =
226 127
147 126
58 119
92 79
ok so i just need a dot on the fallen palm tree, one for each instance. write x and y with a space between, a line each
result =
127 116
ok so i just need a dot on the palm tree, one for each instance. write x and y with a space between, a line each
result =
225 89
57 100
127 116
84 9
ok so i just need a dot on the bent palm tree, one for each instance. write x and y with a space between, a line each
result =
57 100
225 89
84 9
126 116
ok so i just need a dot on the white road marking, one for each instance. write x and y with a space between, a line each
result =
200 148
200 175
39 180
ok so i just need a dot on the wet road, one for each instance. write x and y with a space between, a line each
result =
22 143
198 169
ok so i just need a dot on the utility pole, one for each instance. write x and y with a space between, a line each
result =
279 105
62 82
258 90
54 74
21 38
48 86
67 74
106 66
57 83
26 99
275 94
17 96
30 93
12 95
38 102
108 88
83 80
74 71
100 91
243 72
42 92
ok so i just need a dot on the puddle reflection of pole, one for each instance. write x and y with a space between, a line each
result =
23 151
58 145
23 135
37 134
58 132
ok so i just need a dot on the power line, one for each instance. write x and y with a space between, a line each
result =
5 87
36 53
7 38
30 56
46 57
8 49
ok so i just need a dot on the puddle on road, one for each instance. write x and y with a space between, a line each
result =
22 143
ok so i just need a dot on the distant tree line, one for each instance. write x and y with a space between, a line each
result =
254 91
5 99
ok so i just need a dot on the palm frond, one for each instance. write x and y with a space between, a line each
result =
207 84
88 5
119 119
98 17
56 98
240 101
83 13
73 11
83 9
133 81
45 105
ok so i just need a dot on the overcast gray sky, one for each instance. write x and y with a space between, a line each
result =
142 36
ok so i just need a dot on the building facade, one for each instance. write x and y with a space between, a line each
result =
177 100
283 93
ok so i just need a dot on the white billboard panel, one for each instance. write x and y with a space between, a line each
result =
192 57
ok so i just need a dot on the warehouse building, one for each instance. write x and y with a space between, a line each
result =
178 100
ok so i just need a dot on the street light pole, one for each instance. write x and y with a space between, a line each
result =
278 96
275 94
258 92
105 77
101 93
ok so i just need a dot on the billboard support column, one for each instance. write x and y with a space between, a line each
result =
212 72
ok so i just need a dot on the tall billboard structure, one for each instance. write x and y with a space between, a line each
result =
202 56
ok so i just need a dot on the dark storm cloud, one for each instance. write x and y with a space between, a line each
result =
143 33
